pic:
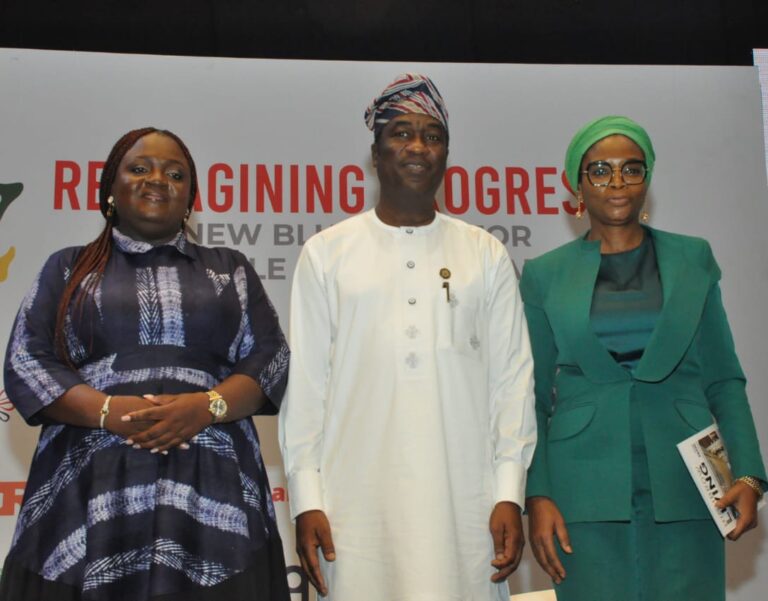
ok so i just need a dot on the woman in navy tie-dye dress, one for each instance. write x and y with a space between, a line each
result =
144 357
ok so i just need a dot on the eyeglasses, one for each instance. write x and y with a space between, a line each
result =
600 173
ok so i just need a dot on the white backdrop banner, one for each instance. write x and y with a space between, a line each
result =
282 152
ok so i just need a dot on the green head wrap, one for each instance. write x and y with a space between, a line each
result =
595 131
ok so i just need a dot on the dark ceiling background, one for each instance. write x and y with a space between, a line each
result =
715 32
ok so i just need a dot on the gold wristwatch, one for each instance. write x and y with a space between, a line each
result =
217 406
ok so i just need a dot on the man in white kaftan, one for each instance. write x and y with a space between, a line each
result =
409 412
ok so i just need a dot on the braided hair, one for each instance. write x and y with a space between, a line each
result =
88 269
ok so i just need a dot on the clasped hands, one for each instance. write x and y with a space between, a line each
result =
158 422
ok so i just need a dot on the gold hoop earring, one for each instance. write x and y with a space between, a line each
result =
110 207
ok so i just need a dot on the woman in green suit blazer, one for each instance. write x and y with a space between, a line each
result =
633 354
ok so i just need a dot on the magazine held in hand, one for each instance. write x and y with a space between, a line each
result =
706 458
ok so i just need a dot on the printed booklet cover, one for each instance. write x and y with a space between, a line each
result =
706 458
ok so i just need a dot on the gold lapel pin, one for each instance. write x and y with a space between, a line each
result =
445 273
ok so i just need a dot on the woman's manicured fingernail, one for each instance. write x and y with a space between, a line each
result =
165 452
125 418
184 446
128 441
137 446
155 450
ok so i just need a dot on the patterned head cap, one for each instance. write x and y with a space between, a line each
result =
409 93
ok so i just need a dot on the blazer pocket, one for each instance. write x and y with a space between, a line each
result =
694 413
569 422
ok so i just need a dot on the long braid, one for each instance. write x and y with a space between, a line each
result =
94 257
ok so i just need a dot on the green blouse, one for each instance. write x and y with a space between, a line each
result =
627 302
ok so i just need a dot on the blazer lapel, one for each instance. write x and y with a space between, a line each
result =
684 287
571 300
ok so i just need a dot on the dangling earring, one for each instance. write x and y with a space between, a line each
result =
644 216
110 207
186 218
579 206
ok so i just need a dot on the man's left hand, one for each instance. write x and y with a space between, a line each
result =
506 527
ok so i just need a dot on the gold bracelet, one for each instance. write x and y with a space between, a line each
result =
754 484
104 411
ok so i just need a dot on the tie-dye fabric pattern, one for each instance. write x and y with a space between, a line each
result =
112 522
